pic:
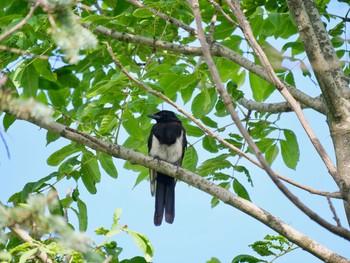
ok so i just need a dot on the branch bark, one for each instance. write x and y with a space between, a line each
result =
226 98
41 118
333 83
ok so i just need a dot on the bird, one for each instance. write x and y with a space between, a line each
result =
167 141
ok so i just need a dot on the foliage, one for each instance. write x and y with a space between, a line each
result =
54 236
87 91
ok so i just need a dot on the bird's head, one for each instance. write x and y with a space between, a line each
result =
164 116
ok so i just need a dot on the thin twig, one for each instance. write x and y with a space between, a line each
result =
335 217
219 8
229 106
212 27
173 20
22 52
22 23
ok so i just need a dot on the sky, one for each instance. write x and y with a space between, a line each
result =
198 232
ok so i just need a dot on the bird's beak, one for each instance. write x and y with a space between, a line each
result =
153 116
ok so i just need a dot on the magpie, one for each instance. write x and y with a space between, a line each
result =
167 142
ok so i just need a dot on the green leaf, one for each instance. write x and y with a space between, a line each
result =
90 172
108 124
290 149
57 157
271 153
89 183
209 143
240 190
244 170
134 260
143 243
27 189
90 165
7 121
261 89
44 69
193 130
51 137
209 122
213 260
132 125
30 81
142 176
190 160
116 217
107 164
263 248
83 216
142 13
204 102
214 202
26 255
246 259
211 165
42 182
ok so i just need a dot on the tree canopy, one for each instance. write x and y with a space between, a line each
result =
234 72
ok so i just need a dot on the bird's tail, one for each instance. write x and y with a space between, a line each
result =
165 199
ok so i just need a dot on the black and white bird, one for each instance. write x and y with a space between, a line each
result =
167 142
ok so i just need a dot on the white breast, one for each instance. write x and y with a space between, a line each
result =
169 153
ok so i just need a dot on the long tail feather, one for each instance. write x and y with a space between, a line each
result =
170 202
160 200
165 199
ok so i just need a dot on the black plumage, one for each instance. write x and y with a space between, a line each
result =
167 141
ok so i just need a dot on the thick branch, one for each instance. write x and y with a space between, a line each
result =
192 179
333 83
321 54
276 107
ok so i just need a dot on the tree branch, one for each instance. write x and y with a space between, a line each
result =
22 235
212 134
322 56
333 83
22 52
40 118
229 106
216 49
247 31
170 19
277 107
